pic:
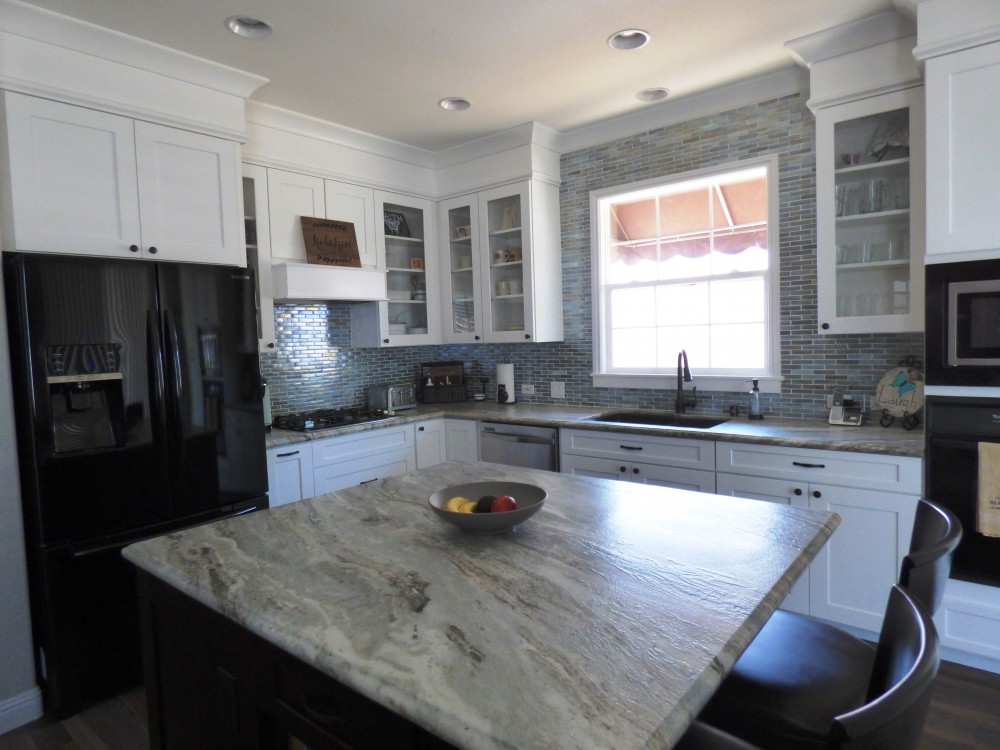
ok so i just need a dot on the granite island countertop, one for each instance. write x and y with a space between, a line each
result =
871 437
605 621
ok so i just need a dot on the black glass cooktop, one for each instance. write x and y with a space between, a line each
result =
322 419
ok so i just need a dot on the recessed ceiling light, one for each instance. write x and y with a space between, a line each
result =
628 39
454 103
249 28
652 95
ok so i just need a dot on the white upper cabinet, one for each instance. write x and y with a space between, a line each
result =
91 183
258 234
870 214
502 265
963 154
292 195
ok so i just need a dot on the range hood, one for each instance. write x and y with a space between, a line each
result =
311 281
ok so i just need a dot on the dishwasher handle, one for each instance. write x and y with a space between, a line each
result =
514 437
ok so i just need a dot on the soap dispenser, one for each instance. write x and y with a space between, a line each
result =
754 406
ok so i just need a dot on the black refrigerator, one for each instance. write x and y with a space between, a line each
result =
138 411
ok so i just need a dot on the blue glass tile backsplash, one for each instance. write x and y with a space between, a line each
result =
315 366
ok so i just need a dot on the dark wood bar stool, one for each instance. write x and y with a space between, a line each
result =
799 671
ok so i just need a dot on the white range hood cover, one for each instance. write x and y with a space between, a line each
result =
310 281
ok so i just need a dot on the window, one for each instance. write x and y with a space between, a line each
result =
688 263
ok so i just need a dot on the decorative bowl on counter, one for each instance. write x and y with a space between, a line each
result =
529 497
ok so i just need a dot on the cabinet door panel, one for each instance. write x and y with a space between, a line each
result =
779 491
291 196
694 480
188 191
462 440
851 576
73 178
586 466
355 204
352 473
289 474
429 438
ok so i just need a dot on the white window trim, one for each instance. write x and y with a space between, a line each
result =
768 383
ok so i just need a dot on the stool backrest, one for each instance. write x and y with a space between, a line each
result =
906 662
925 569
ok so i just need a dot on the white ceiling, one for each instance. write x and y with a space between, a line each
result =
380 66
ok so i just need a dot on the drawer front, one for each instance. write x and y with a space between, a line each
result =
865 470
370 443
352 473
682 452
322 712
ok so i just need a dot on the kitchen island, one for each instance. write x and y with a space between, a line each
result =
605 621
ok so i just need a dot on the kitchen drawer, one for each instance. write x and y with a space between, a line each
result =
681 452
355 471
864 470
370 443
323 713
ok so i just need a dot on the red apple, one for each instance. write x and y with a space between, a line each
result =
503 504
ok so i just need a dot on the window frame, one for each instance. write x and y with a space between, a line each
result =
770 382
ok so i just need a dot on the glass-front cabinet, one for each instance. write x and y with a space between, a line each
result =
463 320
503 252
406 246
870 226
258 244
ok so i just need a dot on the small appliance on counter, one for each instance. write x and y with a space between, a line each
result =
506 392
392 397
443 382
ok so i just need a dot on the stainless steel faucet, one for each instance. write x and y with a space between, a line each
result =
684 376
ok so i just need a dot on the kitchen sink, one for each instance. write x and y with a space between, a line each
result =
658 419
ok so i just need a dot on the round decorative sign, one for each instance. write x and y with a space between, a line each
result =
900 392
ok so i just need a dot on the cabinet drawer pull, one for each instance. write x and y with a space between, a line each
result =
323 711
368 481
808 466
286 455
630 447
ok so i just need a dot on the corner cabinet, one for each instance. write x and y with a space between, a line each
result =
87 182
406 248
870 214
257 230
502 266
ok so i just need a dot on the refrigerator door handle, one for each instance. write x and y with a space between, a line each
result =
154 363
176 385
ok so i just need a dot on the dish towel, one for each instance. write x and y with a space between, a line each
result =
988 515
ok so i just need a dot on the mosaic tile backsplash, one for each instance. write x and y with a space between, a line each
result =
315 366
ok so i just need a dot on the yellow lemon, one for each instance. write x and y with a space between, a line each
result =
455 503
469 506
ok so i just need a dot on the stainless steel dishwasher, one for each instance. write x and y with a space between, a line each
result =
519 445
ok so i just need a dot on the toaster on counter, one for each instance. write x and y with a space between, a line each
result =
390 397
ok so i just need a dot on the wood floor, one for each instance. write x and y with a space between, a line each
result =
964 715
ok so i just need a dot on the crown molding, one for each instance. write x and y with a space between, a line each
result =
850 37
62 31
788 80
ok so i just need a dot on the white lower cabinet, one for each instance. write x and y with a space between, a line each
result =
429 439
351 460
461 439
664 462
289 474
875 497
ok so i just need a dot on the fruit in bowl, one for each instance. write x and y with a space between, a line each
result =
487 507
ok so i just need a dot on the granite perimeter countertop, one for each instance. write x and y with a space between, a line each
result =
605 621
796 433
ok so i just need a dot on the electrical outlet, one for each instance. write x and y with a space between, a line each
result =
528 390
558 389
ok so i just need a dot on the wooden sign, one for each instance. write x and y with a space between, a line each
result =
330 242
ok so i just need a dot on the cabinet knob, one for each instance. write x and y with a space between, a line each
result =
817 493
134 248
527 335
477 338
621 469
385 341
421 429
152 250
270 345
825 326
634 470
797 491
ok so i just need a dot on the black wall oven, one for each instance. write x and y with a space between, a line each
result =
962 406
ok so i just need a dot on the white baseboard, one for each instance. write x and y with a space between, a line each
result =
20 709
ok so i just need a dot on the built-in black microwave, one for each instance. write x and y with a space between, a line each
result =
963 323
